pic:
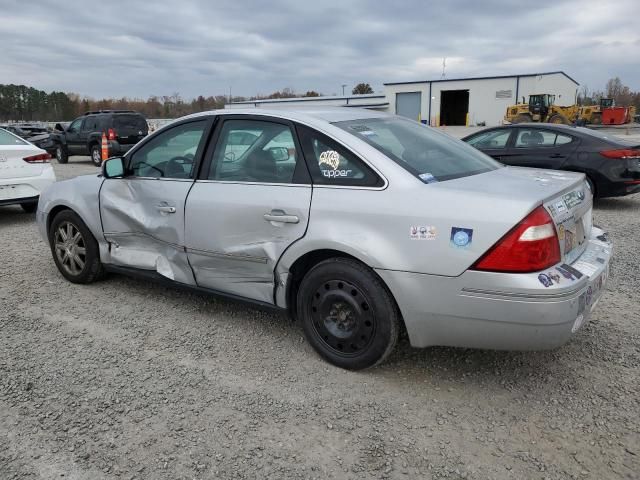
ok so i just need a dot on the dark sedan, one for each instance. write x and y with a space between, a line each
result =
612 165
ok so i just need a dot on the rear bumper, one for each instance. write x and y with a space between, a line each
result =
502 311
25 189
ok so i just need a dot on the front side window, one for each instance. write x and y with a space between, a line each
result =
425 152
170 154
490 140
254 151
533 137
75 125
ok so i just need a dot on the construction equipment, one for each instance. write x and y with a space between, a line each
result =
541 108
606 113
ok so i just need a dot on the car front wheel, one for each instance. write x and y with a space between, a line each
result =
75 250
348 315
61 154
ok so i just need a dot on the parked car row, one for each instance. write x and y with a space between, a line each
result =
356 222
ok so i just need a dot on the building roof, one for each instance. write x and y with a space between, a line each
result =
367 96
304 114
485 78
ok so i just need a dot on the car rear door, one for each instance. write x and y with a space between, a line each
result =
539 148
250 203
143 213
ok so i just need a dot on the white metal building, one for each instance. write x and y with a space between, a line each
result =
473 101
460 101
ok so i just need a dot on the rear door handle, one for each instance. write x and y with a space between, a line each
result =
280 216
166 209
557 155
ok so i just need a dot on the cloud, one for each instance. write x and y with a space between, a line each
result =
136 49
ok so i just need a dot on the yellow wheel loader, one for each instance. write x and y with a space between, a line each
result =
541 108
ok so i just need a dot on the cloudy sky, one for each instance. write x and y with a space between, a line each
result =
133 48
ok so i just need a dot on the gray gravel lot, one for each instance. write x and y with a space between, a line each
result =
125 379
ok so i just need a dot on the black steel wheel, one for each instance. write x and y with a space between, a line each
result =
347 313
75 250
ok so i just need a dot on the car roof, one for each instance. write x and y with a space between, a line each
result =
301 114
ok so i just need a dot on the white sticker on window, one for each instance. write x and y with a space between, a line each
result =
331 158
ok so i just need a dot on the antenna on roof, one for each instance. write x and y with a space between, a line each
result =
444 66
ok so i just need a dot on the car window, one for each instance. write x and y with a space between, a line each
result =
534 137
491 139
254 151
90 124
423 151
130 122
75 125
7 138
332 164
170 154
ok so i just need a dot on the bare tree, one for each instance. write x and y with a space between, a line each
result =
362 89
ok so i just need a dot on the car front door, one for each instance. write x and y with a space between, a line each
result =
539 148
72 136
143 212
492 142
250 203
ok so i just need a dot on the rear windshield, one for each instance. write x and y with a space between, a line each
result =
430 155
7 138
130 122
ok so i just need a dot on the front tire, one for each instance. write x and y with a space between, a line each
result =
62 155
75 250
348 315
96 155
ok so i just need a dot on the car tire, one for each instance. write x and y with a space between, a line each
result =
596 119
96 154
74 248
29 207
522 118
62 156
347 314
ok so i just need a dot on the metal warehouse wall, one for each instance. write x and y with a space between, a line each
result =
557 84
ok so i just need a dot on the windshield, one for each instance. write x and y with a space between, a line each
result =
7 138
430 155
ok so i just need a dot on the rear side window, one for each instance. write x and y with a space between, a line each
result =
134 123
491 139
430 155
332 164
7 138
534 137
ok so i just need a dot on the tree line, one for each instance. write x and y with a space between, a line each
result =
621 94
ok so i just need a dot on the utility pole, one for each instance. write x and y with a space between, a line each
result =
343 85
444 66
230 94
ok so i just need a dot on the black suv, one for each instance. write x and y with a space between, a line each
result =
123 128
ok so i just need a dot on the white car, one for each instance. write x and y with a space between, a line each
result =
25 171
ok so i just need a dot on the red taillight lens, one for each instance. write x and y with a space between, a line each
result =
111 134
40 158
530 246
621 153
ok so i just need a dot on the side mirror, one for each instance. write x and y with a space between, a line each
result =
113 167
279 154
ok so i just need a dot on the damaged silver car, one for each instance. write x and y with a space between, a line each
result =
358 223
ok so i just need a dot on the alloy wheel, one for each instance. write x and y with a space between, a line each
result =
70 248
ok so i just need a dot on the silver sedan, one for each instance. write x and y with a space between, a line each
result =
358 223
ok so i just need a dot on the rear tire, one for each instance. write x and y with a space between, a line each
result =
348 315
75 250
596 119
62 156
29 207
96 155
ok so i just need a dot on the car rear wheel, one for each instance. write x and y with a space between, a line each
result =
29 207
347 314
75 250
596 119
61 154
96 155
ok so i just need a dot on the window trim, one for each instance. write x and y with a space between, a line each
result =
518 130
301 175
197 160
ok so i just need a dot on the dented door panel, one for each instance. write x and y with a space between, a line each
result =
143 223
231 246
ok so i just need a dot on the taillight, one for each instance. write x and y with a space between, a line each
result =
111 134
622 153
40 158
530 246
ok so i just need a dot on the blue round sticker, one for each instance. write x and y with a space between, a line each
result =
461 238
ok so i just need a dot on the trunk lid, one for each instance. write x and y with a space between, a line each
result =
12 164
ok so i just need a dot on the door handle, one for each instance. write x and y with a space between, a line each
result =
557 155
280 216
166 209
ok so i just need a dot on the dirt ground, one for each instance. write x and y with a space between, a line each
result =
125 379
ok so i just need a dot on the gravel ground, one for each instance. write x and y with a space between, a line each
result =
125 379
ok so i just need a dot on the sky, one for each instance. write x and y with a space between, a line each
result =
196 47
